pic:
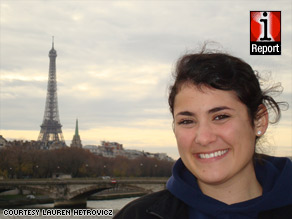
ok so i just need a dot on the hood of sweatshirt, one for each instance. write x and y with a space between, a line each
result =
273 173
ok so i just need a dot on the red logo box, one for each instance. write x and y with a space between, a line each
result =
265 32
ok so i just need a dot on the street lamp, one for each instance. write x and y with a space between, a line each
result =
155 169
141 165
104 170
86 170
10 171
37 170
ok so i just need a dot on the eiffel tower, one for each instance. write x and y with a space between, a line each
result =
51 135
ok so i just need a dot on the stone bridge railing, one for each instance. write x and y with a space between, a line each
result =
76 191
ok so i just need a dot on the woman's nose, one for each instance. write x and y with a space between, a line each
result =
204 135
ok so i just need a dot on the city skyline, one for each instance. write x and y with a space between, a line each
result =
114 65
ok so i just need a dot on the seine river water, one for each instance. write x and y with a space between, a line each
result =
115 205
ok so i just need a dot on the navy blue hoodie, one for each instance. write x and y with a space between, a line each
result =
274 174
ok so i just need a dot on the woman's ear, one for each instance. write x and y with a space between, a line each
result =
261 121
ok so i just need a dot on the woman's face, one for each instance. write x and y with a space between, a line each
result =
214 134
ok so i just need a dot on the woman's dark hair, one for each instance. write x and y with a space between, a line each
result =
224 72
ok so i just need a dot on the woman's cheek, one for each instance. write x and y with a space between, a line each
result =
183 139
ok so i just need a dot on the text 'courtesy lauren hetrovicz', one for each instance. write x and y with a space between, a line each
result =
57 212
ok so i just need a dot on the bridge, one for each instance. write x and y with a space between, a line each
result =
69 192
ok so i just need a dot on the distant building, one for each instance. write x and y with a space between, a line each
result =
76 141
114 149
112 145
159 156
107 149
55 145
92 148
3 142
133 154
36 145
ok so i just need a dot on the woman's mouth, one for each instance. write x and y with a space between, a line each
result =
213 154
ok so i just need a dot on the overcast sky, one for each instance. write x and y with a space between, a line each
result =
114 65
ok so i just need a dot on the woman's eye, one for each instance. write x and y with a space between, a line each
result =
185 122
220 117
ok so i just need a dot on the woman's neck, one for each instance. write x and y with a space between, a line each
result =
235 190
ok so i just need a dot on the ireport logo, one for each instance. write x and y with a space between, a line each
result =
265 32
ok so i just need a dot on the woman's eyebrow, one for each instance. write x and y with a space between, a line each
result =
213 110
217 109
185 113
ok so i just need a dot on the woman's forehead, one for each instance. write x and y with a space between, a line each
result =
204 89
199 96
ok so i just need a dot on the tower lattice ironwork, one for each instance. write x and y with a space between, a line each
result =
51 132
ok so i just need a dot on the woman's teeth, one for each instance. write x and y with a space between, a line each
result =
214 154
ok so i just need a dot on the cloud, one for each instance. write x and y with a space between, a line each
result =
115 59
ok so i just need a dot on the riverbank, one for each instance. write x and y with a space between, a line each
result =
15 201
116 196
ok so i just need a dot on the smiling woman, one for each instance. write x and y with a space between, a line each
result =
216 143
219 113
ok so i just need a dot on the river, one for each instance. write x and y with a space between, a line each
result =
115 205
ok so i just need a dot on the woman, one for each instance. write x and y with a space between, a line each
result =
219 114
